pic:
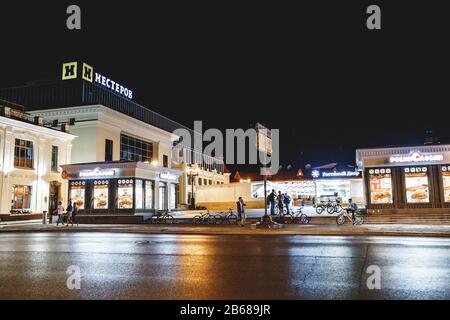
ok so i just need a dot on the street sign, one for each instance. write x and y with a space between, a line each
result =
263 139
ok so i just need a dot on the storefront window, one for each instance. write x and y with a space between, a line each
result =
446 182
77 193
125 193
380 184
21 197
416 184
101 194
139 195
149 194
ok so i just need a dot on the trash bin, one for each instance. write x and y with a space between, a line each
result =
44 217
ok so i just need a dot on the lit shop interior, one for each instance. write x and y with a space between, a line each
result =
407 178
297 190
121 187
340 189
315 191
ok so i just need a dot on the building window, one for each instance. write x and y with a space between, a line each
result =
21 197
165 161
23 154
108 150
54 164
134 149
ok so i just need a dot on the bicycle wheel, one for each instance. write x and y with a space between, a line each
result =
168 219
331 209
338 209
211 220
359 220
340 219
304 219
232 219
319 209
197 219
219 219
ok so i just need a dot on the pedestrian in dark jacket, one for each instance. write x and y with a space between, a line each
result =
271 201
74 214
280 200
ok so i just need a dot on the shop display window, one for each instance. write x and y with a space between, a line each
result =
416 185
446 182
125 193
77 193
380 186
139 194
101 191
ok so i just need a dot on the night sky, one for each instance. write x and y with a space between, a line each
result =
312 70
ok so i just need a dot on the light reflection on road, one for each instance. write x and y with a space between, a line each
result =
134 266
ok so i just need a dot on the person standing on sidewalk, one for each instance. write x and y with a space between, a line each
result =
59 211
271 201
241 210
69 214
74 214
280 203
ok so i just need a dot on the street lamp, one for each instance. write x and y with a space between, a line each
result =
192 171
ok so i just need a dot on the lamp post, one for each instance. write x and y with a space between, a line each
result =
193 172
265 148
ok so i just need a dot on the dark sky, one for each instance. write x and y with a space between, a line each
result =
312 70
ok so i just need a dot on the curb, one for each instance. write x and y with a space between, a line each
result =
249 232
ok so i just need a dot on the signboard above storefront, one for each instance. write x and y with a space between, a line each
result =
319 174
415 157
168 176
97 173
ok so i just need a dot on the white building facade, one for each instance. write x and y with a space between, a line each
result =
30 160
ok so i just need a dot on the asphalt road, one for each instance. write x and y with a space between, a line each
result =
133 266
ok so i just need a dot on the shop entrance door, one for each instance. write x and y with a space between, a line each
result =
54 196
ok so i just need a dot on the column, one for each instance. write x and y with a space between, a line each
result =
8 167
42 186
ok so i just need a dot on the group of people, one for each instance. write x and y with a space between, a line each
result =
279 200
72 211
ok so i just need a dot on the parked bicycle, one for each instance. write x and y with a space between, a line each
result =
330 207
298 217
204 218
346 216
334 207
226 218
162 217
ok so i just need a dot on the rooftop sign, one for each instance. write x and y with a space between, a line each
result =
70 71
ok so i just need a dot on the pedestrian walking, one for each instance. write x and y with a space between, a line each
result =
69 214
280 199
59 211
74 214
241 210
271 201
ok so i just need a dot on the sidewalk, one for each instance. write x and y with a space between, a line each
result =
288 230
